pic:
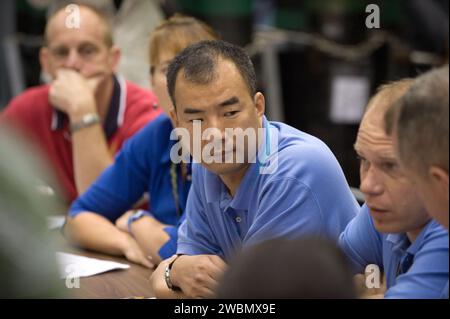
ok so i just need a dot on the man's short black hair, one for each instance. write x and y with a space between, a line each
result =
199 63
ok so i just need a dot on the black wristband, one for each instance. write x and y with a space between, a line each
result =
167 276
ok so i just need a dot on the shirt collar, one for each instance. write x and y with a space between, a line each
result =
401 241
116 111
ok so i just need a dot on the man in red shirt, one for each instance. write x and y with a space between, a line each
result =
81 119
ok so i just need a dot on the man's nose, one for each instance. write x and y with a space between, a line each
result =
217 125
73 61
371 184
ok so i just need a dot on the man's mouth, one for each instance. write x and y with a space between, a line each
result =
374 210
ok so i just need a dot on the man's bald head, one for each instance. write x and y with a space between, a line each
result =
90 17
383 100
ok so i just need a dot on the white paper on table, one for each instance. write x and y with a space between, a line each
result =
74 266
55 221
349 96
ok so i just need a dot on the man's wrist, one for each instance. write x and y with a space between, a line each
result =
174 271
86 121
168 275
123 242
81 109
135 217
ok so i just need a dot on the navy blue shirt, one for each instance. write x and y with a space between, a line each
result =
299 189
143 165
426 274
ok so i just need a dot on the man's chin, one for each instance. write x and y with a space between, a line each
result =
224 168
386 227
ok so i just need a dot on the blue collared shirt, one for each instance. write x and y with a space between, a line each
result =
306 194
445 292
143 165
427 274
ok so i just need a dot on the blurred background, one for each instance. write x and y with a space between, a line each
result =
317 62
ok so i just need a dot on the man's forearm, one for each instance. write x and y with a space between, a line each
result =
90 155
92 231
150 235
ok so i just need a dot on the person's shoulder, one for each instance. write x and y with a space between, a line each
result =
435 234
138 96
156 132
161 126
362 226
29 110
199 173
33 99
302 153
363 220
291 141
141 108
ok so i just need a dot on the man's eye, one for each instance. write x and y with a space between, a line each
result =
87 51
363 162
389 166
361 159
230 114
60 52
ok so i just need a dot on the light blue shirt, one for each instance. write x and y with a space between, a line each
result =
445 292
306 194
428 272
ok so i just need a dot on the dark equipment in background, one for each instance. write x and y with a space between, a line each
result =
316 61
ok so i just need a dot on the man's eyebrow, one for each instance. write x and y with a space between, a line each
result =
388 158
231 101
85 43
192 111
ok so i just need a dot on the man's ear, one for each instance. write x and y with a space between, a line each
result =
114 55
439 179
173 117
152 79
260 103
44 60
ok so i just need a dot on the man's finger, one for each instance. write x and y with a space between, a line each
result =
209 282
218 262
147 263
215 272
207 293
94 81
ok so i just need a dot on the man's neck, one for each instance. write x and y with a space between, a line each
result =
104 96
233 180
412 235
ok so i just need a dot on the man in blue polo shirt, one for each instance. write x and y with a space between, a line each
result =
419 126
294 187
393 229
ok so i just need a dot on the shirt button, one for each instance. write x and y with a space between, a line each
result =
238 219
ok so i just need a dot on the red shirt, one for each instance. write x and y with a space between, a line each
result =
131 108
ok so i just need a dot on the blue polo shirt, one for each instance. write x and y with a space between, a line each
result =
427 273
305 194
445 292
143 165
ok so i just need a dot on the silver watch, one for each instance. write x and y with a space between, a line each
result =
86 121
